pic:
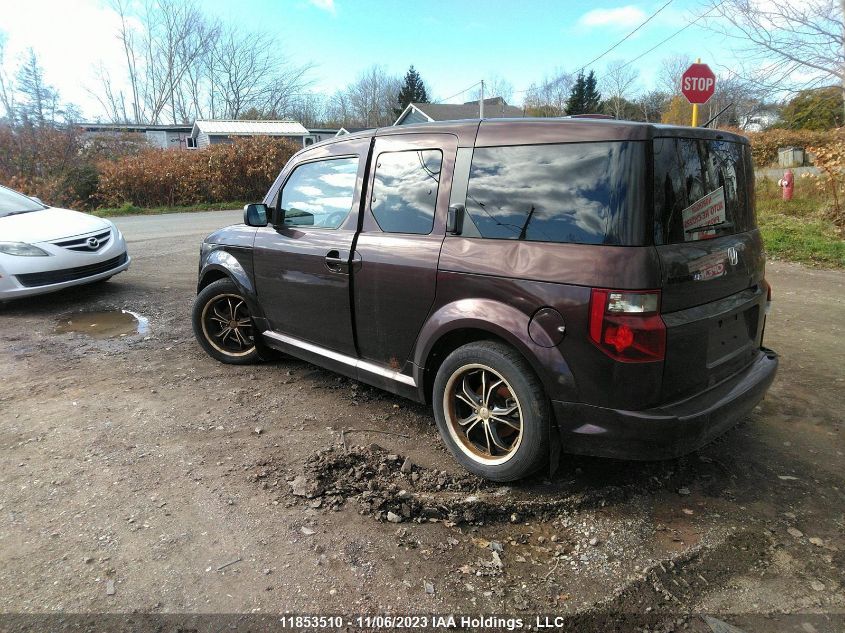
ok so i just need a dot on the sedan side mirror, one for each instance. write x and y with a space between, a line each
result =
255 214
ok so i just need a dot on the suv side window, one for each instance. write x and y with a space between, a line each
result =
405 190
579 193
319 194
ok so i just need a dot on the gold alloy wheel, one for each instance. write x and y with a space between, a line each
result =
483 414
227 325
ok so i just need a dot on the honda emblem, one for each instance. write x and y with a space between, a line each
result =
733 256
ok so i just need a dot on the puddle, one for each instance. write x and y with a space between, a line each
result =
104 324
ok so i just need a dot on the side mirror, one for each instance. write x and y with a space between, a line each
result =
255 214
455 219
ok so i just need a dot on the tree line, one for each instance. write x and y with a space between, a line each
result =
179 65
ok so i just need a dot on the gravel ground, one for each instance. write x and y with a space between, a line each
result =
139 476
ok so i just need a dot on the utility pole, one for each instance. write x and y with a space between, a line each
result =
481 102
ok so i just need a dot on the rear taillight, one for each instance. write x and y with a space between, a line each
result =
627 325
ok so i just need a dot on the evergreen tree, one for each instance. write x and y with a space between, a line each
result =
39 100
584 97
413 91
592 98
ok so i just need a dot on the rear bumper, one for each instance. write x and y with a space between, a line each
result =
667 431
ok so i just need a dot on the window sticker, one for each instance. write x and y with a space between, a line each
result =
708 211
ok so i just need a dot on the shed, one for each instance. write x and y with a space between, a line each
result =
212 132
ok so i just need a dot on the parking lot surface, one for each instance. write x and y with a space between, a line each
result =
138 474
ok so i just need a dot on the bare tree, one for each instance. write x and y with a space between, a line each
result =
495 86
372 96
338 110
109 98
795 45
735 102
617 84
127 39
181 65
669 75
548 98
7 88
309 109
652 104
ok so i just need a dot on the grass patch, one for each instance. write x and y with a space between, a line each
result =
130 209
801 229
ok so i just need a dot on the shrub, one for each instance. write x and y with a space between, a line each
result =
765 144
242 170
59 164
830 159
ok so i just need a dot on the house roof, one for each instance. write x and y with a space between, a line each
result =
249 128
494 108
350 130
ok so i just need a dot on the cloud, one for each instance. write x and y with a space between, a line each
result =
620 17
325 5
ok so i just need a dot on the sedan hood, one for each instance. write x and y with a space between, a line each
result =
48 225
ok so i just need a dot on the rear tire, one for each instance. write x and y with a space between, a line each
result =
223 325
492 411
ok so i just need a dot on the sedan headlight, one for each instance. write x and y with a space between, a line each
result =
22 249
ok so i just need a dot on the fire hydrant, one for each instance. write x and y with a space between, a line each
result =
787 184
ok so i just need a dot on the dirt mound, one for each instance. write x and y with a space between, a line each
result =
391 488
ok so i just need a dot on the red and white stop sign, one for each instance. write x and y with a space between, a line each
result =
698 83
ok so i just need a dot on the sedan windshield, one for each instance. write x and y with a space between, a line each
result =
12 202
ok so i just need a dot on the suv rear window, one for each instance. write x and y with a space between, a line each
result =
582 193
702 189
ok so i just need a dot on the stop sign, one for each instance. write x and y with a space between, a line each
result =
698 83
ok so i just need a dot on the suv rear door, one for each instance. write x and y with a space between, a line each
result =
397 250
712 260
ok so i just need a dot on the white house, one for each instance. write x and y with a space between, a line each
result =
212 132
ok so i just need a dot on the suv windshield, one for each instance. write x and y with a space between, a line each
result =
702 189
12 202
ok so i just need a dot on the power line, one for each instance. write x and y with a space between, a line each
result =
658 45
593 61
460 93
678 32
646 21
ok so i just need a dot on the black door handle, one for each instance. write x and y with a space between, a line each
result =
335 263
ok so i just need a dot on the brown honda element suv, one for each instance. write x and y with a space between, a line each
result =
589 284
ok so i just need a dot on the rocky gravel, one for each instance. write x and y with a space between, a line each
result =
137 476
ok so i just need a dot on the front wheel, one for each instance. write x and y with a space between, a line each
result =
492 411
223 325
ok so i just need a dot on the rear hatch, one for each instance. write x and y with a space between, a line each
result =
712 261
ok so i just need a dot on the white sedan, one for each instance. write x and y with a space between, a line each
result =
43 249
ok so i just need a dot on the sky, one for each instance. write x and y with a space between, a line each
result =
452 43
